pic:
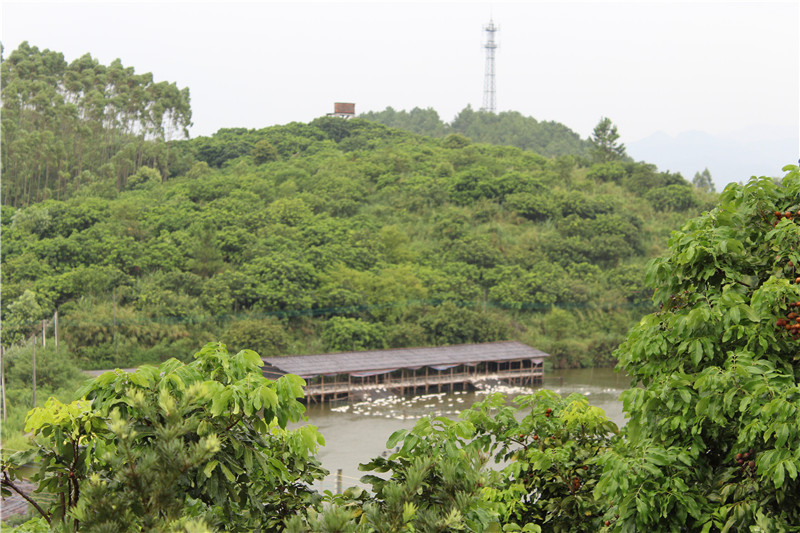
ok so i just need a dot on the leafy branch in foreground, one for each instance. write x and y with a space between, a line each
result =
713 440
174 447
441 479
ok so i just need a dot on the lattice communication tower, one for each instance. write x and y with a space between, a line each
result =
489 99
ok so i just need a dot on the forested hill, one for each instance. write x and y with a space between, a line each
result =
66 124
510 128
335 235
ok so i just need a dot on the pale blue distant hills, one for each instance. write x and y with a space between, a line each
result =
756 151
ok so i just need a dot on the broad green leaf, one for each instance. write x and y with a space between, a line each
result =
269 397
220 402
227 472
209 468
396 437
778 475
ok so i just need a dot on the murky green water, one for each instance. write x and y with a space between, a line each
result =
356 432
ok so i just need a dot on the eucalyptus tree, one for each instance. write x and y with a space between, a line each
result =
61 120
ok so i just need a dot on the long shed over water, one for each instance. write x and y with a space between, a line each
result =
337 376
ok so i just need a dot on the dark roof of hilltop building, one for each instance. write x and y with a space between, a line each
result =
381 361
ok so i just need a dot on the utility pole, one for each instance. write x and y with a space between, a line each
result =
489 90
3 380
33 373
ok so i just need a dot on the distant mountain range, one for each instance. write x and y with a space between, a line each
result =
757 151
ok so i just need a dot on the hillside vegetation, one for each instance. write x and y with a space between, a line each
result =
341 235
333 235
711 441
511 128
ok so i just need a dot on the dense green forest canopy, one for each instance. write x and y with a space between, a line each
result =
68 125
332 235
510 128
347 235
343 235
711 442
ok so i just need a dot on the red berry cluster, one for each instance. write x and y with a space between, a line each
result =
746 461
780 215
791 324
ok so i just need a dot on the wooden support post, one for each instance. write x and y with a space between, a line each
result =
3 380
33 373
339 481
55 328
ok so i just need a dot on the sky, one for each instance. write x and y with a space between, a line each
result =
660 70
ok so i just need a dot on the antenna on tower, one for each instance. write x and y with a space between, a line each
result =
489 101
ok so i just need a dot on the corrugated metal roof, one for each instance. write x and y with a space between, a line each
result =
345 362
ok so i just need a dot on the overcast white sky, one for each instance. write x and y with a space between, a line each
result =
725 68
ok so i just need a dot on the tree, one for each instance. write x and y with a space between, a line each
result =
440 477
266 335
22 318
550 447
604 143
60 120
343 334
703 181
144 178
263 152
672 198
713 436
169 447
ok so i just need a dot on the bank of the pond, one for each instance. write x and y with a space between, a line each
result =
357 432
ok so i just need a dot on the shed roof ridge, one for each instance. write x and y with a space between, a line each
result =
396 358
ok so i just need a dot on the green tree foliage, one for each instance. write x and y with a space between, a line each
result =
530 466
550 455
342 334
345 219
712 437
53 370
672 197
263 152
66 126
419 121
384 238
266 336
172 447
605 147
22 318
436 484
710 444
612 171
449 324
510 128
703 181
144 178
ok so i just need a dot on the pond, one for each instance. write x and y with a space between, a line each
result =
356 432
